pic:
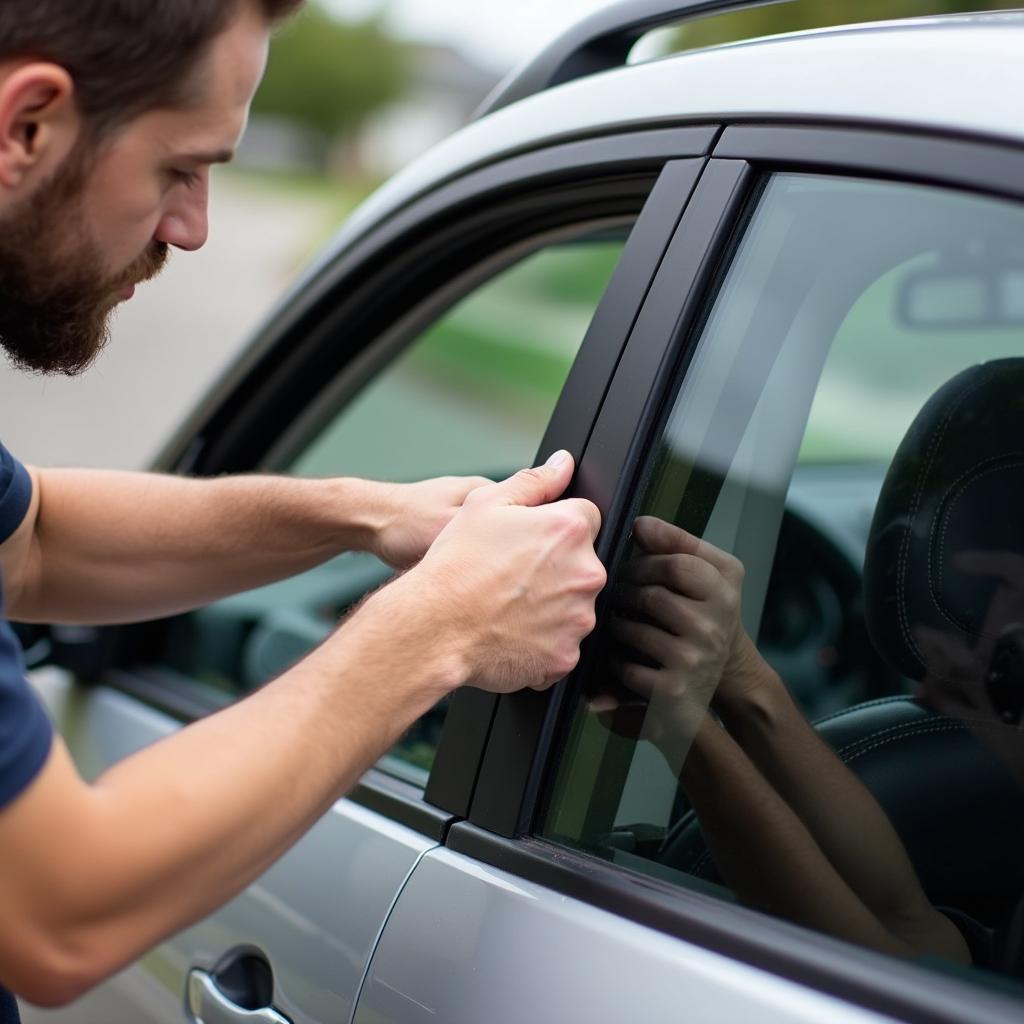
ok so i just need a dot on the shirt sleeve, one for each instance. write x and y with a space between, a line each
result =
15 493
25 730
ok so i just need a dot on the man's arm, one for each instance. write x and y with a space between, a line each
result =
95 874
772 859
766 792
846 821
101 546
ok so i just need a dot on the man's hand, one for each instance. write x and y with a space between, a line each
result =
512 579
412 515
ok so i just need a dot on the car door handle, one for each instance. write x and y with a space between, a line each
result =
207 1004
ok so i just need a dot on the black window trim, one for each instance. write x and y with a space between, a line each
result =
525 724
472 713
510 792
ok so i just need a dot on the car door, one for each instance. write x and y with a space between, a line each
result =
799 319
443 342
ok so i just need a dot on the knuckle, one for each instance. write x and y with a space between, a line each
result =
572 526
632 675
562 663
677 571
597 579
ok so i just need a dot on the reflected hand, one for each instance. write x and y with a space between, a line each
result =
410 516
680 612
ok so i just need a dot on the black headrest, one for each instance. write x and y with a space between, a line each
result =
955 485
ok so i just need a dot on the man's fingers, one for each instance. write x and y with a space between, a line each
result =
660 538
588 511
650 641
530 487
659 605
687 575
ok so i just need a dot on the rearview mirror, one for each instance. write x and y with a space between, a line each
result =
978 295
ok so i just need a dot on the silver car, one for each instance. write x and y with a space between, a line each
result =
772 292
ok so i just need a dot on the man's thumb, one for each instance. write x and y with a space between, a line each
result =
535 486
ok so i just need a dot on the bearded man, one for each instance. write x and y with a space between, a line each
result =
111 115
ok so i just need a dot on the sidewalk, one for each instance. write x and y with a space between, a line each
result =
169 342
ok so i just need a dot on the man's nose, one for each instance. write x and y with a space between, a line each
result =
185 224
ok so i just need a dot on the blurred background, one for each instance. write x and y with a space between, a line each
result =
355 89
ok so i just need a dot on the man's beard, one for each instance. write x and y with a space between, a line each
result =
55 299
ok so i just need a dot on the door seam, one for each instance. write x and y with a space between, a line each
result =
380 931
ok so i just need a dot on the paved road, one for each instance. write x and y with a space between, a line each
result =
169 342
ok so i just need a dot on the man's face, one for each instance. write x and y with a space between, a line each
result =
104 221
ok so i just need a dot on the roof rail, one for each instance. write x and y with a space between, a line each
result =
601 42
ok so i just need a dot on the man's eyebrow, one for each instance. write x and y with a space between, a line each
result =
217 156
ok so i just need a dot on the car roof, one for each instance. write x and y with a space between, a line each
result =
962 74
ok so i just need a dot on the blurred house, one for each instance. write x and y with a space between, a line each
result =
444 89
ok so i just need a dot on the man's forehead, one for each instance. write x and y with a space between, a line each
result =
207 129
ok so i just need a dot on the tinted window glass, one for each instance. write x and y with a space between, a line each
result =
839 478
470 395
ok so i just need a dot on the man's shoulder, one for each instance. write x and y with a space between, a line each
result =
15 493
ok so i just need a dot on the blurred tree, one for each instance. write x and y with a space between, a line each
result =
805 14
330 76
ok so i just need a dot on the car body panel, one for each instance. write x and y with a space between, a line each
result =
468 943
315 915
897 73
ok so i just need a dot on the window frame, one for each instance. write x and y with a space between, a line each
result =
471 218
528 729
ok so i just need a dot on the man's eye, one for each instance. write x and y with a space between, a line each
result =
188 178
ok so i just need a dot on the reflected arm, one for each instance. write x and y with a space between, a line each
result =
838 816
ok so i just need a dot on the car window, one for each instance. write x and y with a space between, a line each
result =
847 435
471 393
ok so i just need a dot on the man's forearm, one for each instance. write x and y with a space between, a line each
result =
95 874
103 546
843 816
214 804
771 859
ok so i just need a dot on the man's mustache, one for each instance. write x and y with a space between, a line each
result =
146 267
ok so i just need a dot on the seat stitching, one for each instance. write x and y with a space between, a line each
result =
904 556
903 729
885 741
877 702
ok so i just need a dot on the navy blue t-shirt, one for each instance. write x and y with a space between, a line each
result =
25 730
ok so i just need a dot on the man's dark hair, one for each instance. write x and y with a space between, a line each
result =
126 57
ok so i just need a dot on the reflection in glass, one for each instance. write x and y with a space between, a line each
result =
840 477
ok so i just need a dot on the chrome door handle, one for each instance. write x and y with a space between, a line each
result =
208 1005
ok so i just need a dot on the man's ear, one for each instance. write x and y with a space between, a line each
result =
39 121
